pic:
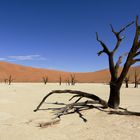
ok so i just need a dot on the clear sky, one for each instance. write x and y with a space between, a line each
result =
60 34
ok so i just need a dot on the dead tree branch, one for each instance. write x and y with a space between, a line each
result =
138 53
105 49
67 81
134 51
78 93
118 37
77 107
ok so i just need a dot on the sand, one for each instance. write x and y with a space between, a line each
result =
21 73
19 122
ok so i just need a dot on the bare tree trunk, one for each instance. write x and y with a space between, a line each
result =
126 85
136 80
114 98
10 80
136 85
45 79
60 80
73 81
117 80
126 80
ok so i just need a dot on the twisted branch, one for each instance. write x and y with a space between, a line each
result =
105 49
78 93
118 37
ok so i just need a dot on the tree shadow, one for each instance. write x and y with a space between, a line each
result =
129 113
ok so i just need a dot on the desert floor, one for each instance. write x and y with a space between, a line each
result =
19 122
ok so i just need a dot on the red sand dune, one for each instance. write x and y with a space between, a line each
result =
28 74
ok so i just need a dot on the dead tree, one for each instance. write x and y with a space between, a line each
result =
136 79
67 81
60 80
73 81
115 82
45 79
126 80
10 79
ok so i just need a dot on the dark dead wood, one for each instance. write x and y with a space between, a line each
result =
118 37
78 99
45 79
130 113
60 80
77 107
136 79
80 93
105 49
74 108
74 97
126 80
10 79
138 53
56 103
115 82
126 26
72 78
136 60
80 115
130 58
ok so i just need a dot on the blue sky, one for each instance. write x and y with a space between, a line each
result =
60 34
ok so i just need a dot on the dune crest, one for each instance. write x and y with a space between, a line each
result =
29 74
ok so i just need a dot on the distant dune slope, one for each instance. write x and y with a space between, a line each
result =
29 74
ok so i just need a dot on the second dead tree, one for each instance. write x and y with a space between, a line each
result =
126 80
45 79
68 82
10 79
73 81
136 79
60 80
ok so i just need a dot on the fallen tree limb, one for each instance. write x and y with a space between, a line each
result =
76 94
74 107
77 107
